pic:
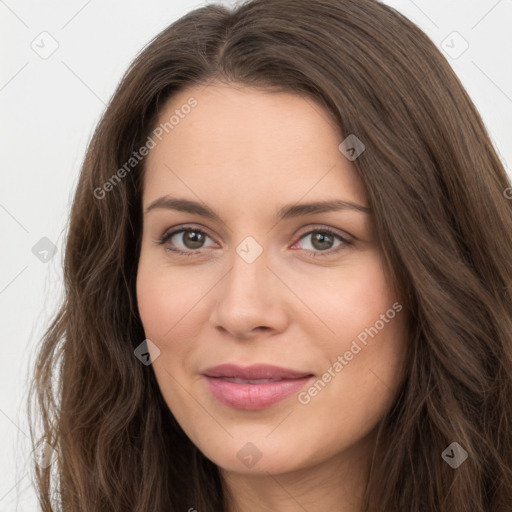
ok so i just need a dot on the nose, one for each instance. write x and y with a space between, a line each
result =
250 300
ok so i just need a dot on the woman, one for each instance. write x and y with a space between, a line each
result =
287 278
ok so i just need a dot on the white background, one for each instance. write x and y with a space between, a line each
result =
49 108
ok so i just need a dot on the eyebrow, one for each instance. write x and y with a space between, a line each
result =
286 212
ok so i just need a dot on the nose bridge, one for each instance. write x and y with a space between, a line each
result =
246 298
248 277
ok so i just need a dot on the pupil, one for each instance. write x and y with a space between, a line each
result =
321 237
194 238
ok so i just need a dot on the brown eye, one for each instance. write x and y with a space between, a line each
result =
185 240
324 241
193 239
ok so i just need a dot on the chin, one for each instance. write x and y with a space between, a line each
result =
260 457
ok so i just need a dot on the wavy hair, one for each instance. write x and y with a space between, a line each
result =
436 186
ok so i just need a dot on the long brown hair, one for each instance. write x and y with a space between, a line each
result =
436 187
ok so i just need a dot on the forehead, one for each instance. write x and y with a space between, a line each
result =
241 140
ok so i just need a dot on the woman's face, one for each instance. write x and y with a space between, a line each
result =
307 320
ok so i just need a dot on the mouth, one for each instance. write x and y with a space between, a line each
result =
253 387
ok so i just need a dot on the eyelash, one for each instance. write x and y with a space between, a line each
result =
322 229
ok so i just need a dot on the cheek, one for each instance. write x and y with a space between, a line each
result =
367 327
363 359
166 306
155 302
350 299
174 309
168 299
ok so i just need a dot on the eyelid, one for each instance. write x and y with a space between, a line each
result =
191 226
323 227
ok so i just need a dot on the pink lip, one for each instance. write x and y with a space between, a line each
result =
234 385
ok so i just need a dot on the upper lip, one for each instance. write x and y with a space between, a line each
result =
254 372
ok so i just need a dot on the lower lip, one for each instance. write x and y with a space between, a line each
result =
253 396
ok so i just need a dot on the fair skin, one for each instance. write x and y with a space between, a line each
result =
300 304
